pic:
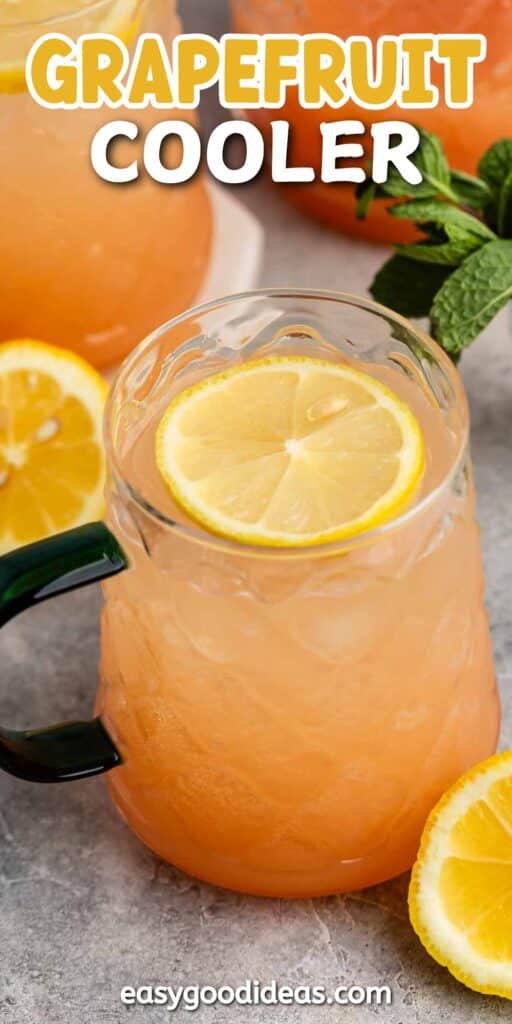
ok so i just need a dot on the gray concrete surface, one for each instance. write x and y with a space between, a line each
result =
85 909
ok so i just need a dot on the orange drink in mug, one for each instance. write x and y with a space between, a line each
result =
296 659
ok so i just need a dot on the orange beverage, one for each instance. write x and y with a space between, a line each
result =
465 133
86 264
288 717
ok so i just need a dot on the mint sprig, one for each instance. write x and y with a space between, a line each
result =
459 272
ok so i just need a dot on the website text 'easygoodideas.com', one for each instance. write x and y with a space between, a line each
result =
251 992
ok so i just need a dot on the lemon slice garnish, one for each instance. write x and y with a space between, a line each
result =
290 452
24 22
460 896
52 463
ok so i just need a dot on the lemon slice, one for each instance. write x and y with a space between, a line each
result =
52 463
289 452
23 22
460 897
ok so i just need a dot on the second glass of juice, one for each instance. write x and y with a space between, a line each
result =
288 718
85 264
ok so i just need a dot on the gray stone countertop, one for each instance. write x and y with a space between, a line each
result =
86 909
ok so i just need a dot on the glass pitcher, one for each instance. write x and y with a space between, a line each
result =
465 133
87 264
274 721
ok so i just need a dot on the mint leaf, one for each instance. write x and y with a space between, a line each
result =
437 178
433 167
504 208
451 251
472 295
407 288
470 191
397 188
441 214
365 194
496 163
495 168
431 161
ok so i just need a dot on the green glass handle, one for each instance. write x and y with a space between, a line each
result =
29 575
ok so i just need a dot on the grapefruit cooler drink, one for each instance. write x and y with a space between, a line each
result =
86 264
288 715
465 132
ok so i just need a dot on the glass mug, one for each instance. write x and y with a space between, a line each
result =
465 133
278 722
87 264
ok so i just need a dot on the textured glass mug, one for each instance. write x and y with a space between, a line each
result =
279 722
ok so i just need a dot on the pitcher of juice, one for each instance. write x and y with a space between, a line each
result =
465 133
278 710
86 264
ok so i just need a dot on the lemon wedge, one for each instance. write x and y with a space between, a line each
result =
52 463
290 452
460 896
23 22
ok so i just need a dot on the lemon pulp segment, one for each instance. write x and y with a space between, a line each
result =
290 451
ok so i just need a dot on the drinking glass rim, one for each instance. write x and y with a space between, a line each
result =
199 535
53 19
